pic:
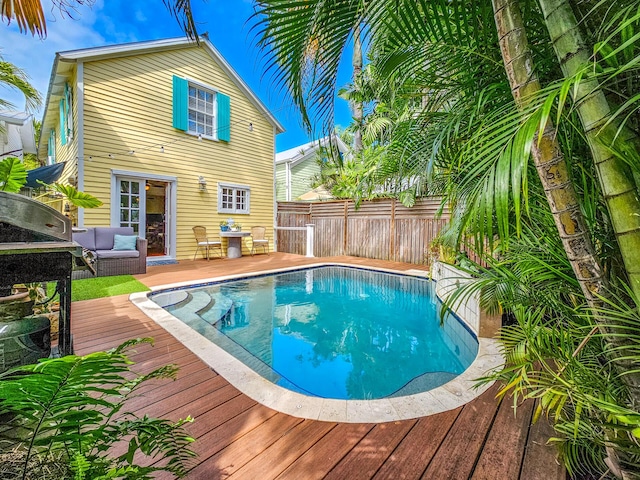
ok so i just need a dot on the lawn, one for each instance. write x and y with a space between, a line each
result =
88 288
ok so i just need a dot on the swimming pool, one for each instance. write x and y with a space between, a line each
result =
331 332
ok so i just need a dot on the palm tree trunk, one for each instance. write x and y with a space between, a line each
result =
616 179
357 108
552 169
547 155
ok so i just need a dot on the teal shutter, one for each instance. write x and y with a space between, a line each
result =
180 103
63 121
224 117
68 111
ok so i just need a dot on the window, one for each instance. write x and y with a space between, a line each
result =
202 105
201 110
233 198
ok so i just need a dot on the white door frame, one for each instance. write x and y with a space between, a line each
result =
171 200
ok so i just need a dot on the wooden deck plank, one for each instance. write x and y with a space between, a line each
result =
365 458
540 459
503 450
458 452
272 461
240 452
318 460
410 459
239 437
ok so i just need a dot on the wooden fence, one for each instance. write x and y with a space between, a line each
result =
381 229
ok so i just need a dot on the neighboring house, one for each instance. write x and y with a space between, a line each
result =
167 135
17 135
296 167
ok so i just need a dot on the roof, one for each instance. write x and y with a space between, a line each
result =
302 152
64 62
14 117
20 138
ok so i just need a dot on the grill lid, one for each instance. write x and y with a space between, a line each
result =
23 219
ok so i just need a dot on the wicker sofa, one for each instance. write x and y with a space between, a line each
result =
100 241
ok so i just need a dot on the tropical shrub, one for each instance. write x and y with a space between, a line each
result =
64 417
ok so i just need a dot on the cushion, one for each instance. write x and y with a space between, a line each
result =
118 254
86 239
104 236
124 242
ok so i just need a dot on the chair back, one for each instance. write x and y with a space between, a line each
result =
258 233
200 232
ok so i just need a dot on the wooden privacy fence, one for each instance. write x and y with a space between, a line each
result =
381 229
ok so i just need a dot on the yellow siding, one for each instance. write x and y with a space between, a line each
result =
128 106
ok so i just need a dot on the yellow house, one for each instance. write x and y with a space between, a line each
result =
167 135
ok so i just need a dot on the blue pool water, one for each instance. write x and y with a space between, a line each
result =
331 332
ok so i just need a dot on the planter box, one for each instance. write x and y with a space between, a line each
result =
448 279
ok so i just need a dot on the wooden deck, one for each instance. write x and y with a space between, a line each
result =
238 438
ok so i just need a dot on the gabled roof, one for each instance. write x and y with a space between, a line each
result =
64 62
300 153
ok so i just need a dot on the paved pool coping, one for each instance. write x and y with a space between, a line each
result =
449 396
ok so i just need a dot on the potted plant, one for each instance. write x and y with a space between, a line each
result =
236 227
224 226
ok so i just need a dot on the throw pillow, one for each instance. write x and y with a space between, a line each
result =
124 242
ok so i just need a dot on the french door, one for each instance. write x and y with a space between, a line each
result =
132 204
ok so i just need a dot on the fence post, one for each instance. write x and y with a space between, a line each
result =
310 233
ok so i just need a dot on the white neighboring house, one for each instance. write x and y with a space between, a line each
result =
17 135
297 166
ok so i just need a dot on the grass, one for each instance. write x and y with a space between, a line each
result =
89 288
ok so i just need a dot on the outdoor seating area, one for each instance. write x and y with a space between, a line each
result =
117 251
204 243
237 437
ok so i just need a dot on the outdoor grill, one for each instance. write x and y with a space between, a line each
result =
36 246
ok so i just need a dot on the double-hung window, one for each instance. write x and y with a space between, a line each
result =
233 198
201 110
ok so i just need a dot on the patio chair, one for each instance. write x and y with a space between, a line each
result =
258 240
203 241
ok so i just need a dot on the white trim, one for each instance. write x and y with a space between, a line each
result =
79 102
145 175
287 181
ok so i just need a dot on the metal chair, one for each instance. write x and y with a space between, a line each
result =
203 241
258 239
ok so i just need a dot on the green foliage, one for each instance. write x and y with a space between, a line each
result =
13 175
99 287
75 197
72 408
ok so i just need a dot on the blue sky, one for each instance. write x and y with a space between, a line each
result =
109 22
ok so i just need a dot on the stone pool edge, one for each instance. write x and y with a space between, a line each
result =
449 396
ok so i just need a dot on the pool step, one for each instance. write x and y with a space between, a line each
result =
219 309
168 299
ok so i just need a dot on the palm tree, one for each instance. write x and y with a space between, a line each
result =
13 77
29 15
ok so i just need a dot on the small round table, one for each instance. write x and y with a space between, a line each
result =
234 248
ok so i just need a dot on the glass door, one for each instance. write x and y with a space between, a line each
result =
132 203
